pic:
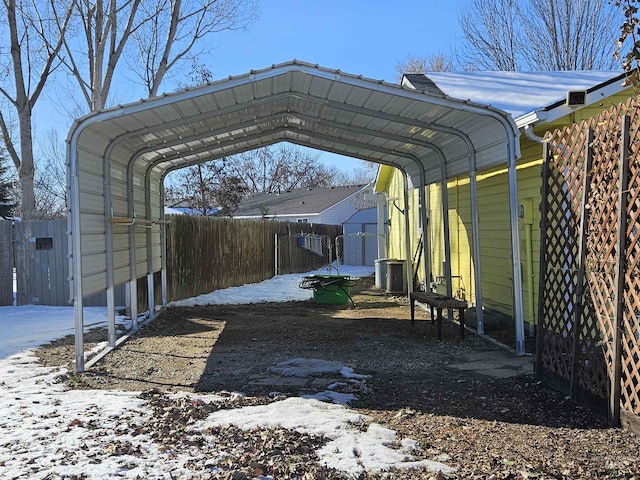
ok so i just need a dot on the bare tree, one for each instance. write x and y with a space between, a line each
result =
92 57
491 32
194 188
229 194
175 32
570 34
50 178
538 35
361 175
438 62
223 183
34 34
279 168
151 36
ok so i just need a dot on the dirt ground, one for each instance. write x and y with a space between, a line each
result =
486 427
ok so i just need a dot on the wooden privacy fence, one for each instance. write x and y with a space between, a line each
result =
37 250
203 254
589 304
209 253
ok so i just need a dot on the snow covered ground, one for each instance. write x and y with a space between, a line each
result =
49 431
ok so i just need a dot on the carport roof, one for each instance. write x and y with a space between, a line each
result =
307 105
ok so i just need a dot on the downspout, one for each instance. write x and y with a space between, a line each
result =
528 130
529 259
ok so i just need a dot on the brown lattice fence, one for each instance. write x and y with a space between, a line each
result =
589 305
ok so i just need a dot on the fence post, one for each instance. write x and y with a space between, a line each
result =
576 325
623 200
544 194
276 255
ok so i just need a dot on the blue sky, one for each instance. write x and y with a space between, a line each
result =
356 36
361 37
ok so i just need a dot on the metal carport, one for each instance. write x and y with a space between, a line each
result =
118 158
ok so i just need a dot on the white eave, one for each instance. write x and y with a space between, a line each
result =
553 112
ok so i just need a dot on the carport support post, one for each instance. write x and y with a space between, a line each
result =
76 254
475 228
163 251
445 225
108 241
515 251
424 221
515 255
133 284
407 231
151 301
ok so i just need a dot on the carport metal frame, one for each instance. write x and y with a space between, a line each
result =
425 135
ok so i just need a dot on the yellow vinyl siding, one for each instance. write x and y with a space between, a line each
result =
494 223
396 241
494 235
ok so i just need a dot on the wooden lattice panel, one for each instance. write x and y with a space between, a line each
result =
630 378
590 360
564 186
596 334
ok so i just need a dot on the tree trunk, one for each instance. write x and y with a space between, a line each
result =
26 172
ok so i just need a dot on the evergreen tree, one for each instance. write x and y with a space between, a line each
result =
7 199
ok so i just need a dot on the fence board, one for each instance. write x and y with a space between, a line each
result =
6 262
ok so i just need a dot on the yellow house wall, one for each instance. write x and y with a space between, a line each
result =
396 241
494 223
494 236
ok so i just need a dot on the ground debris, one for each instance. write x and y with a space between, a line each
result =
485 427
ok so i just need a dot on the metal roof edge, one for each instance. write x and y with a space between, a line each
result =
559 109
279 69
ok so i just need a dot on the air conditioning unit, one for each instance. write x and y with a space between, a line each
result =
576 98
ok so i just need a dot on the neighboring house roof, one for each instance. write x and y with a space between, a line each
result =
183 207
528 96
173 211
301 201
